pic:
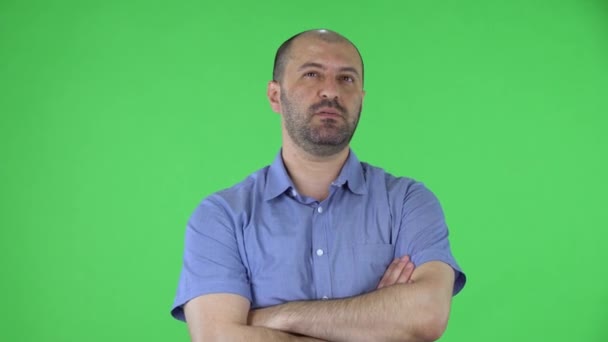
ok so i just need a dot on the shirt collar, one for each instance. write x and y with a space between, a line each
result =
352 175
278 180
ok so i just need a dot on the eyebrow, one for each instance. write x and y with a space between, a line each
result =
321 66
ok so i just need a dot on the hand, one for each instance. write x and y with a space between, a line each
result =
267 317
261 317
398 272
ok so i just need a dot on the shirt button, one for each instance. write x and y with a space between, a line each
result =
319 252
320 210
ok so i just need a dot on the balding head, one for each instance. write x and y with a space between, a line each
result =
282 56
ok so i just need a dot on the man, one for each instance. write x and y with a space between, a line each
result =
318 246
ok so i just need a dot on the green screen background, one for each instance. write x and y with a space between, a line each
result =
118 117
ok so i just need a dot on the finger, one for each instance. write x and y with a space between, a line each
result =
392 268
405 259
409 268
392 273
383 281
396 272
406 274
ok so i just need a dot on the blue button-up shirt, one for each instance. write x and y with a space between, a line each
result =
262 240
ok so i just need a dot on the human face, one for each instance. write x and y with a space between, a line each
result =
321 95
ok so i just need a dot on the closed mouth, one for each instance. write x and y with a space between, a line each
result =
328 111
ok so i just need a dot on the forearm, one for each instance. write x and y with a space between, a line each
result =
403 312
244 333
223 317
376 316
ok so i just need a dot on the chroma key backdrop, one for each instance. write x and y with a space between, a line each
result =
118 117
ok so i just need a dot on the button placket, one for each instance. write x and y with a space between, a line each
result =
321 261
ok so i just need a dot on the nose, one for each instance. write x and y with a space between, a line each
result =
329 89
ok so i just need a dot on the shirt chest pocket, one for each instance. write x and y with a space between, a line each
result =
369 262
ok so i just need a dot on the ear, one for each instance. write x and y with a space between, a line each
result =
274 96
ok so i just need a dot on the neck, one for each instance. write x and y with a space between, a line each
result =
312 175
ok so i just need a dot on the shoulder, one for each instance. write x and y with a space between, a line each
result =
237 198
375 175
401 190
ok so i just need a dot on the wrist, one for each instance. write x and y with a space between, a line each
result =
269 317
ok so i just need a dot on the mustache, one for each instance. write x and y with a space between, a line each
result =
328 103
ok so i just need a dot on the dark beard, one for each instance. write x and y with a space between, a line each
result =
323 140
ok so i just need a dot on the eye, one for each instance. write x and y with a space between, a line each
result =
348 78
311 74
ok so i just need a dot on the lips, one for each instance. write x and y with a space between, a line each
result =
327 112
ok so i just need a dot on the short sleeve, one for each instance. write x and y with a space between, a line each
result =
423 234
212 262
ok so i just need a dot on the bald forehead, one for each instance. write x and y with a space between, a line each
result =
323 36
318 40
314 43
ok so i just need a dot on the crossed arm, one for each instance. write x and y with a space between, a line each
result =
408 305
